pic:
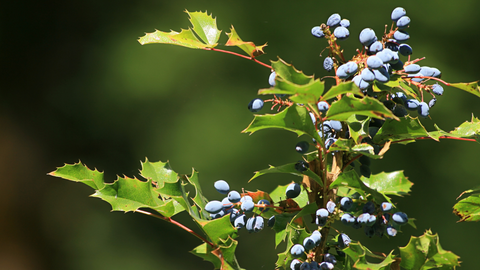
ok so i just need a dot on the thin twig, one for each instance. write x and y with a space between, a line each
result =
240 55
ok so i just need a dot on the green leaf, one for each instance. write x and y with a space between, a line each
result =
205 27
294 118
350 179
349 146
80 173
295 235
407 128
342 109
358 127
468 209
393 183
288 168
471 87
226 252
247 46
425 252
342 88
219 229
356 255
303 94
468 129
290 74
280 226
185 38
278 195
158 172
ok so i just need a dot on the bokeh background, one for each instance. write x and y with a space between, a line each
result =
76 85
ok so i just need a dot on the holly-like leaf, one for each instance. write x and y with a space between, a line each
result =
356 255
222 257
288 168
350 179
358 127
407 128
303 94
158 172
468 129
471 87
80 173
468 209
219 229
425 252
290 74
342 88
203 25
349 146
393 183
295 235
278 195
344 108
294 118
247 46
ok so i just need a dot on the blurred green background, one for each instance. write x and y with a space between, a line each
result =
76 85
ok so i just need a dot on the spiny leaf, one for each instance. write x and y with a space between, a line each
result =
468 209
342 88
159 172
288 168
185 38
278 195
294 118
425 252
290 74
405 129
205 27
247 46
225 253
218 229
303 94
393 183
349 146
471 87
358 127
342 109
351 180
357 253
80 173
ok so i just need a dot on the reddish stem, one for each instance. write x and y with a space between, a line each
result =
241 55
441 137
167 219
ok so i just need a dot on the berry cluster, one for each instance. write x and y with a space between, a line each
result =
376 219
238 207
379 61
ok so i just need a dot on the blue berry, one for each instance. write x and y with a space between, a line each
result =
322 212
348 219
328 64
381 75
226 203
345 23
363 218
334 20
336 125
369 207
346 203
301 166
398 65
297 250
295 264
367 75
317 32
246 198
432 102
271 78
367 37
344 240
386 56
308 243
430 72
247 206
397 13
375 47
255 105
213 207
330 206
233 196
271 221
293 190
341 33
405 49
326 265
391 230
412 68
316 236
302 147
240 221
374 62
403 22
329 142
437 89
386 206
401 35
222 186
330 258
323 106
423 109
264 202
400 218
